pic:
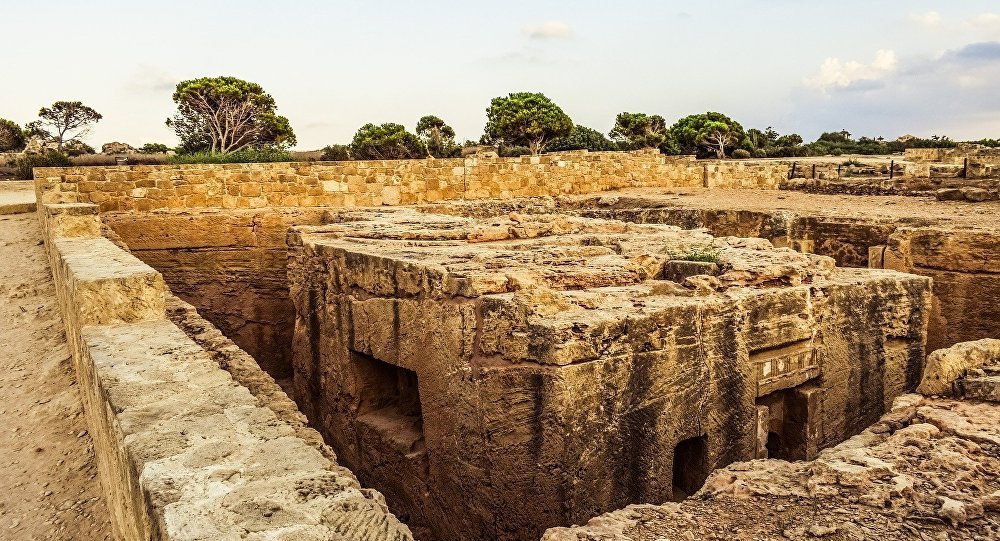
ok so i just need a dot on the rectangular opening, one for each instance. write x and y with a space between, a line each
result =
389 403
788 415
690 467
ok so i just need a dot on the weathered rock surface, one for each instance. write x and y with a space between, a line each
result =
536 370
927 470
946 367
118 148
184 451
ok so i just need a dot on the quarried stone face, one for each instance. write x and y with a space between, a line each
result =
494 377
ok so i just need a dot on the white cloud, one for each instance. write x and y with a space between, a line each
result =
549 30
987 21
146 78
836 73
930 19
948 94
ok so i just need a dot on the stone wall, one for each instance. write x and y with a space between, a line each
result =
943 162
229 264
374 183
183 451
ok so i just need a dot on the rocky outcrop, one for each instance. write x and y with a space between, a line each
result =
118 148
947 368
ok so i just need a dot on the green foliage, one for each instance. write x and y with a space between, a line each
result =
24 164
438 137
386 142
12 138
76 147
525 119
741 154
639 130
64 121
707 135
245 155
581 138
702 254
226 114
154 148
992 143
512 151
336 153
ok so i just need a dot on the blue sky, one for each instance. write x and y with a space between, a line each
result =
874 67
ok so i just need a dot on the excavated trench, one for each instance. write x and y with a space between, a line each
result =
232 267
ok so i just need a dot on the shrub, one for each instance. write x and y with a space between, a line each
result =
759 153
23 166
387 141
741 154
336 153
702 254
154 148
581 138
75 147
11 136
513 151
247 155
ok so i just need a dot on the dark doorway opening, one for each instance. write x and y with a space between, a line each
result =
786 422
389 402
690 467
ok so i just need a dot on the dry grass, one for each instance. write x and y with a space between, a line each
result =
306 156
132 159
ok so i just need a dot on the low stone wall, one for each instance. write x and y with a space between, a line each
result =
183 451
394 182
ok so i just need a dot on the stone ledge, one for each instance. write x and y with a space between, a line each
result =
185 452
212 463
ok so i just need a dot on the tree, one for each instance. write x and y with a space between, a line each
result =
154 148
57 122
386 142
11 136
226 114
525 118
707 134
790 140
582 138
335 153
437 137
639 130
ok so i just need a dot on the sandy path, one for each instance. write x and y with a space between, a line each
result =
48 479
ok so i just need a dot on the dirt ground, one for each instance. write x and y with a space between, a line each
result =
49 488
903 209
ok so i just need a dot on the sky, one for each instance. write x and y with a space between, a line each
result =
874 67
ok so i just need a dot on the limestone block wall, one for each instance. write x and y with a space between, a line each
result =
230 265
394 182
184 452
752 174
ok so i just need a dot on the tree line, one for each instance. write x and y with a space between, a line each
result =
219 118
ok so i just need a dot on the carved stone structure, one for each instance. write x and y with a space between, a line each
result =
542 370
